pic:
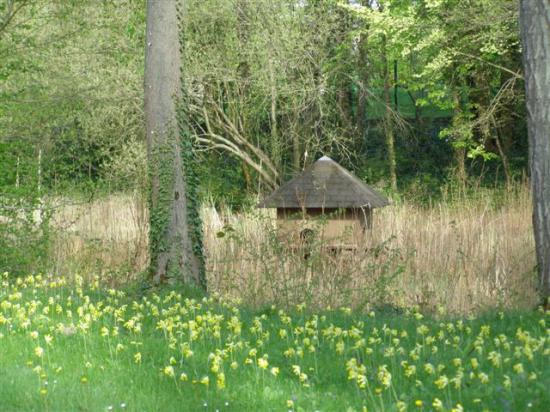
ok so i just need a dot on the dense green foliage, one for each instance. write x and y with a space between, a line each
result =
71 83
418 97
70 112
442 77
77 347
273 85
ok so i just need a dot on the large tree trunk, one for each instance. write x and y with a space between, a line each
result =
535 34
173 253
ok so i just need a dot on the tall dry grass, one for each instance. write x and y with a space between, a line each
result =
108 236
464 255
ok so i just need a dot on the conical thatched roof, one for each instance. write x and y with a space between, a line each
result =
325 184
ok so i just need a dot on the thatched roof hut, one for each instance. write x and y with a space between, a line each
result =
327 185
325 188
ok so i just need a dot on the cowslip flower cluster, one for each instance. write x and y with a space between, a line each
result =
209 345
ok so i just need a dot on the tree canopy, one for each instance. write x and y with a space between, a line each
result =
410 95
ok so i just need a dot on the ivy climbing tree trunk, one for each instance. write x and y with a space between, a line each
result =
174 237
535 34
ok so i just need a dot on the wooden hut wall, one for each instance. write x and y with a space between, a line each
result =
343 227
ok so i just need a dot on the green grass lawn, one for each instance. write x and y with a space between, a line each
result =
81 348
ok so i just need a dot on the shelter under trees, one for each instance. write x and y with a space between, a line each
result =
328 191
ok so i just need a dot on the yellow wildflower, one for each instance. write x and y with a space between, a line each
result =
429 368
169 371
483 377
518 368
442 382
410 371
457 408
263 363
362 381
437 404
220 380
384 376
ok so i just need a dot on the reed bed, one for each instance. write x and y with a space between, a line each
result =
462 255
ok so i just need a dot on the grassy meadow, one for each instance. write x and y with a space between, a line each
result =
201 107
467 254
437 312
68 346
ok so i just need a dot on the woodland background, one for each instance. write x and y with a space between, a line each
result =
422 99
